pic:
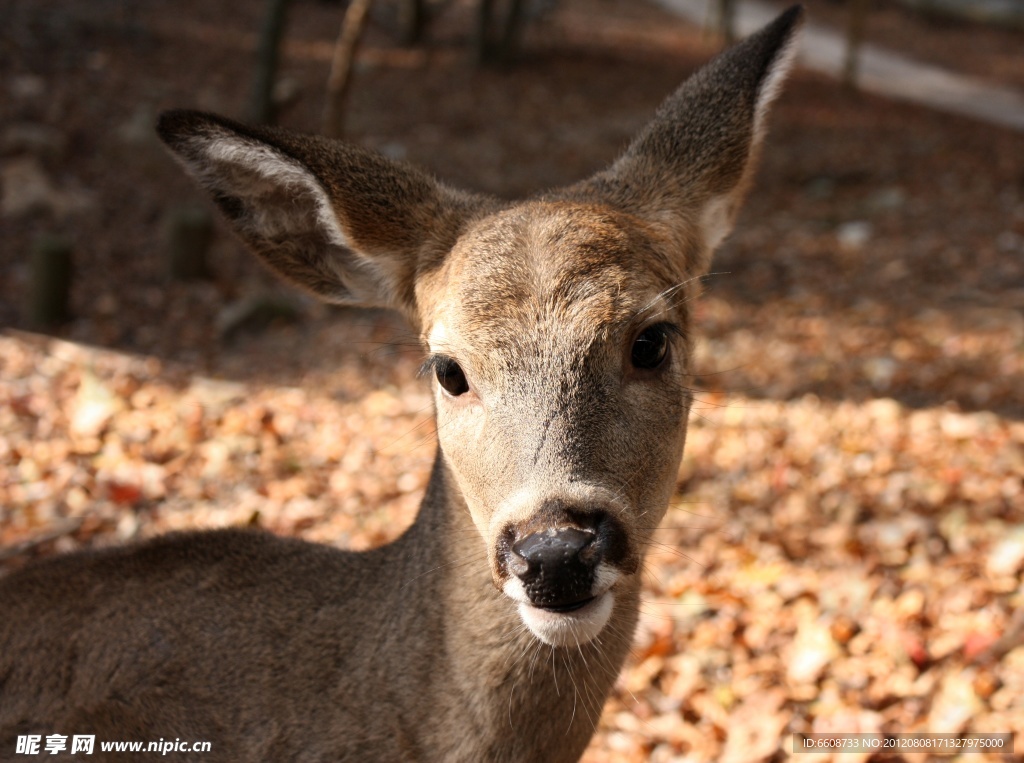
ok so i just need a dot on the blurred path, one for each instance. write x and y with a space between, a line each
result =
881 71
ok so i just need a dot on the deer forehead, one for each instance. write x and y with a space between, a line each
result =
548 274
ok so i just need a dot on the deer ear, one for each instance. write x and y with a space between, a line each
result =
345 224
688 170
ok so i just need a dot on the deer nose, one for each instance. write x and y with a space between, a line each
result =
556 567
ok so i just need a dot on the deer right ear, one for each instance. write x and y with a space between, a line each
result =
348 225
688 170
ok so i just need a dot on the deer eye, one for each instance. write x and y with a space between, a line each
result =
450 376
651 347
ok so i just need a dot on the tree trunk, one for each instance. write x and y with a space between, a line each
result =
341 66
50 282
261 106
727 21
499 30
855 25
189 233
412 20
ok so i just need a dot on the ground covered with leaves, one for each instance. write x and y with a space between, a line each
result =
846 548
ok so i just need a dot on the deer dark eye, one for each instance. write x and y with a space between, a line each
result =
651 347
450 376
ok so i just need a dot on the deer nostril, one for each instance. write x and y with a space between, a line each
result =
550 549
517 565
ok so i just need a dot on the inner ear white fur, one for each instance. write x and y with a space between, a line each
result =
717 216
716 220
771 85
275 168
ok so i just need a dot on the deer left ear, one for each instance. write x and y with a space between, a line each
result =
687 172
347 225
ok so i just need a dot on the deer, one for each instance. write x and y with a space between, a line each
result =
557 335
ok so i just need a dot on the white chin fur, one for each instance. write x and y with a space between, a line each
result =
569 628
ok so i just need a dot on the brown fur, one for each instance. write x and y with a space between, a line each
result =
277 650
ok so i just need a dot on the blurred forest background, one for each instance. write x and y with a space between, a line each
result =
846 548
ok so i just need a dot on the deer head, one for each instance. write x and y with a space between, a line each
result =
557 329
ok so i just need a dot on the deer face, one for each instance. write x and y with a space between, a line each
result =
560 357
557 329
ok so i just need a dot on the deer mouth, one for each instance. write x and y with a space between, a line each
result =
569 625
567 607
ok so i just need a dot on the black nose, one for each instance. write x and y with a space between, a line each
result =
556 567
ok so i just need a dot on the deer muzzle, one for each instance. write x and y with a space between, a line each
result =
562 574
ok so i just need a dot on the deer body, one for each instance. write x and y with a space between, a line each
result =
312 664
494 628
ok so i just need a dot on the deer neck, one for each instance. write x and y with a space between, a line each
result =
495 671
